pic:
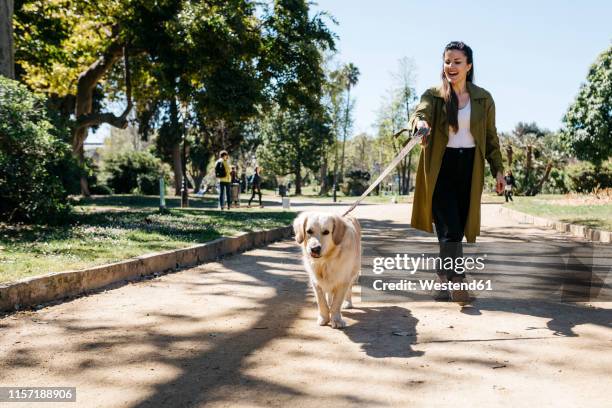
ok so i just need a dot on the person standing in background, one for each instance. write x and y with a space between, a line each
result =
509 185
222 172
235 187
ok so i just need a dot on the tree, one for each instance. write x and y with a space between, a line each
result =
532 154
350 76
7 58
587 129
293 141
391 119
92 37
405 80
34 161
333 98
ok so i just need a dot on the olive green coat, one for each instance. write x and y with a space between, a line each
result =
482 126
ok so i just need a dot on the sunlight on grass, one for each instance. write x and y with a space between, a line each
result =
109 229
556 208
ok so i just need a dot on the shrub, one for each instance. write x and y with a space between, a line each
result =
125 169
34 162
148 184
357 182
100 189
584 177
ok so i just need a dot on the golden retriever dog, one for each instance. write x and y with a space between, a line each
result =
331 248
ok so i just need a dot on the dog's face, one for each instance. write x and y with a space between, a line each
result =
318 233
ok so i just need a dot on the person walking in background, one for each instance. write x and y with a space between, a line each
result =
509 185
256 186
459 120
222 172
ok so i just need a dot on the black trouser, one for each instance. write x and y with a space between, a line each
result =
224 190
253 195
508 195
451 203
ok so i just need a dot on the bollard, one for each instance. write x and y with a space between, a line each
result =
162 194
286 203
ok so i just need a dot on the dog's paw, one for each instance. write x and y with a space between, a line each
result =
337 322
323 320
347 304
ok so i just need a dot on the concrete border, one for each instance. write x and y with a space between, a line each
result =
592 234
54 286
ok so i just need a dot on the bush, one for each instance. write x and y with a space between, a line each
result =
100 189
34 162
125 169
148 184
357 182
584 177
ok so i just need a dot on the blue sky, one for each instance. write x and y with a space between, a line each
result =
531 55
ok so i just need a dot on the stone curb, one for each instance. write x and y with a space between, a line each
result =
54 286
592 234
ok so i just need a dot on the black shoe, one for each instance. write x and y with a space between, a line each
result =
440 294
460 296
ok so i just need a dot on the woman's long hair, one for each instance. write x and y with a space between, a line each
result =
452 102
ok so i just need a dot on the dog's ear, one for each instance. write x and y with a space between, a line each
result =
339 229
299 227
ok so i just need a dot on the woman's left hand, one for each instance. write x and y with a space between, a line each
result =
501 183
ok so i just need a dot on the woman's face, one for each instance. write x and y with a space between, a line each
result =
456 66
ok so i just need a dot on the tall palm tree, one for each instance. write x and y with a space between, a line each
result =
350 75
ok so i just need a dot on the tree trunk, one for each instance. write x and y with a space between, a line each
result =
175 143
7 51
346 119
537 189
197 181
298 179
528 163
509 154
177 167
324 184
409 171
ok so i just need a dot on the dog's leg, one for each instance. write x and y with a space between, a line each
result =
348 302
322 304
338 298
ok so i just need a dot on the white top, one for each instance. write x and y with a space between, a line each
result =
463 137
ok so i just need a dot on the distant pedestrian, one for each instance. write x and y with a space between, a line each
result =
509 178
222 172
235 187
256 186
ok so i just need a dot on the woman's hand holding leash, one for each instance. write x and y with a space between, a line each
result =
501 182
423 129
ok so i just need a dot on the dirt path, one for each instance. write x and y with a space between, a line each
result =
242 332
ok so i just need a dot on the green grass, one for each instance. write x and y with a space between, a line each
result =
555 207
112 228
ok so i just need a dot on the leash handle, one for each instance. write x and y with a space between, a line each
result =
414 139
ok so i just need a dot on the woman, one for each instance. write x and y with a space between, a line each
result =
256 186
459 120
509 185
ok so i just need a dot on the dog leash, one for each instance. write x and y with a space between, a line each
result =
414 139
